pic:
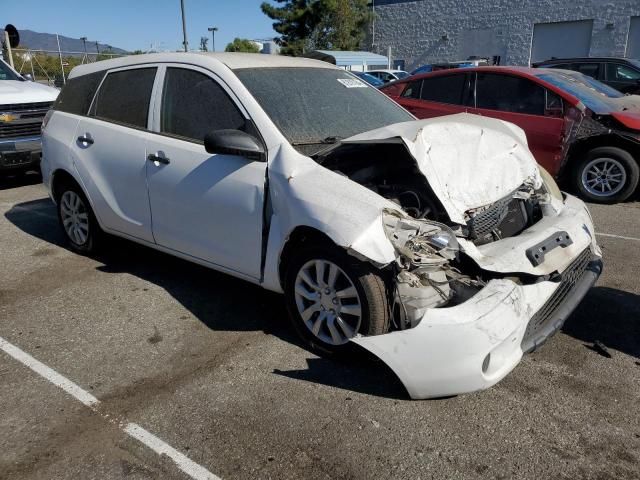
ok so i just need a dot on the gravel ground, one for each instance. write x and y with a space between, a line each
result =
209 364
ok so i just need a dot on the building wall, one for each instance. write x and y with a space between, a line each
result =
426 31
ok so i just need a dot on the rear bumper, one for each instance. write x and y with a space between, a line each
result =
20 153
474 345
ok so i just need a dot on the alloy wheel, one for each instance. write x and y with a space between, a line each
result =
604 177
328 302
75 218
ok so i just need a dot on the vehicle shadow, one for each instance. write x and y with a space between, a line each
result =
610 317
20 180
221 302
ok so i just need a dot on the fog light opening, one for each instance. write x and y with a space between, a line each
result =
485 363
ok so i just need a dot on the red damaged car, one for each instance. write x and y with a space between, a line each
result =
579 129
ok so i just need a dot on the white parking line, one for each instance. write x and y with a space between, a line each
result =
622 237
188 466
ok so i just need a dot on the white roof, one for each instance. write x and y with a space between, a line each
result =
385 71
232 60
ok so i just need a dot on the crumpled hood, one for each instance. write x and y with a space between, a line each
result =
468 160
15 91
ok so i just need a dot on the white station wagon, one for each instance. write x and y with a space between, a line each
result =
438 245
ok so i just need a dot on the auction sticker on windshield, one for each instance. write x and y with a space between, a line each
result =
352 83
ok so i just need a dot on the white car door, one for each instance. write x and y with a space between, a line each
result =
207 206
109 151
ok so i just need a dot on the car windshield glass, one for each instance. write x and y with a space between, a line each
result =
401 74
595 95
318 106
6 73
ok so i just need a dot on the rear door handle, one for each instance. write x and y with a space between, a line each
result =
152 157
85 139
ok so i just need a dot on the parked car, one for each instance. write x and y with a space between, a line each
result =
370 79
578 129
381 230
623 74
388 75
23 105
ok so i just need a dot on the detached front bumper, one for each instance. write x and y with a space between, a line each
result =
474 345
20 153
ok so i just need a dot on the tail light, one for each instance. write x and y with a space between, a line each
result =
46 120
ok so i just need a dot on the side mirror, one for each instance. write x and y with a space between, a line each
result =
28 77
234 142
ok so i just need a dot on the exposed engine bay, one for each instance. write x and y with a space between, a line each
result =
428 272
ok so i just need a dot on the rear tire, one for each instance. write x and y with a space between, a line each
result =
77 220
606 175
331 297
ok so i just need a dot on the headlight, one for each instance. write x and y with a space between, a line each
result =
550 184
420 242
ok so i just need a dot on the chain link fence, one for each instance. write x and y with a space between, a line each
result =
51 67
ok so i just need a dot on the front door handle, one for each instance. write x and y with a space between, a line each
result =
85 139
152 157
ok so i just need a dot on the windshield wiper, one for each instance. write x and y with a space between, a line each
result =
324 141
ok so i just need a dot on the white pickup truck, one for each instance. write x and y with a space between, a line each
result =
23 105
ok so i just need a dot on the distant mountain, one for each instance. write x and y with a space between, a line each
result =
47 41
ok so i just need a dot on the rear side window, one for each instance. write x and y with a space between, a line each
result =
412 90
124 97
444 89
77 94
193 105
509 94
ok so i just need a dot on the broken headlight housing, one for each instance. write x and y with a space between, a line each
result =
550 184
424 250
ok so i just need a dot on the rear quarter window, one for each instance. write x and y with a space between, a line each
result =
77 94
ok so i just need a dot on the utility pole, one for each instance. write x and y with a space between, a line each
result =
213 31
184 28
84 42
64 80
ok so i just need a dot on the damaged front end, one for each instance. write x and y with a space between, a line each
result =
489 261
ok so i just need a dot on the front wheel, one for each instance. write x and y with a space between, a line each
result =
606 175
331 297
77 219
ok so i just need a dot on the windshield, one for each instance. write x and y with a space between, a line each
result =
595 95
6 73
317 106
401 74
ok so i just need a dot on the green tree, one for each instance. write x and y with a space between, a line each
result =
242 45
319 24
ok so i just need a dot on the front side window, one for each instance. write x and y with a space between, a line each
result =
508 93
621 73
444 89
193 105
124 97
590 69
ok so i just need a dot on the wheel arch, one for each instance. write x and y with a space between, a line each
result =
581 147
62 177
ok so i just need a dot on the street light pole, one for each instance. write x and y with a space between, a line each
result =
184 28
213 31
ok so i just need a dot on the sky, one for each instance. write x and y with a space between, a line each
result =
139 24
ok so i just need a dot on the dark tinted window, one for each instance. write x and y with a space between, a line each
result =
124 97
77 94
591 69
444 89
193 105
412 90
509 94
622 73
